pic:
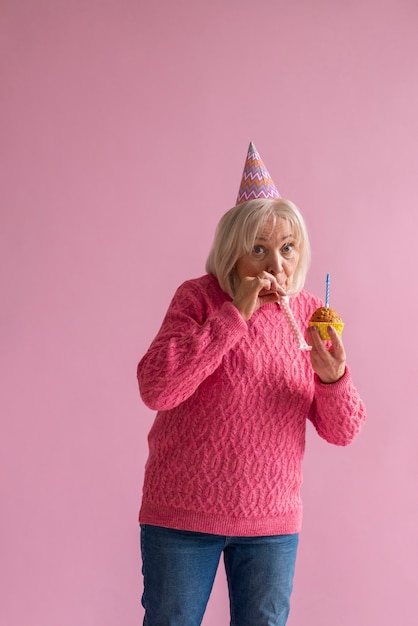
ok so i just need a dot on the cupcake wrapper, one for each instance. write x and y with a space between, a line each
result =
323 328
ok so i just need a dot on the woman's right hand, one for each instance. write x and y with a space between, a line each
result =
255 291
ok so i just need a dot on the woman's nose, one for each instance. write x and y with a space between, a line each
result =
275 266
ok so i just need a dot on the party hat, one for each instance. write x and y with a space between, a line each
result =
256 182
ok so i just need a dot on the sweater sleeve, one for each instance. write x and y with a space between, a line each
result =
188 348
337 411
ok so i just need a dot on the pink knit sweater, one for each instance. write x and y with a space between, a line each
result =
233 397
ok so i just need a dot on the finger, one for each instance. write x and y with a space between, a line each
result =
271 282
269 297
336 342
265 283
314 339
281 291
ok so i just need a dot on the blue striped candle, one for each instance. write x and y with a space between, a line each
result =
327 291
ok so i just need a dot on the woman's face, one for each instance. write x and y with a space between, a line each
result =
274 251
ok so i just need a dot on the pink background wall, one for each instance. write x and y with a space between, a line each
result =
124 128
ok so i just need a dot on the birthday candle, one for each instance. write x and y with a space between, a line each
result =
284 303
327 291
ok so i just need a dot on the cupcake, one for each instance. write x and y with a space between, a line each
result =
324 317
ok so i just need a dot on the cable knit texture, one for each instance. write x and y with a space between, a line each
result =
233 397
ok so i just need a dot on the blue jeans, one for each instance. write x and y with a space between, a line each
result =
179 568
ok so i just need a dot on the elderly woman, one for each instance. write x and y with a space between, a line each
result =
233 393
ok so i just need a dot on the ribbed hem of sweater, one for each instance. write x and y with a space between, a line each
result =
285 524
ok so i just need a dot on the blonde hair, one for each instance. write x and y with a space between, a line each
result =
238 230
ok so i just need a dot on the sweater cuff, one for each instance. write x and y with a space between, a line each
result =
231 318
337 388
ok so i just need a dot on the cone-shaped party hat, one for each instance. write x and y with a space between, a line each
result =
256 182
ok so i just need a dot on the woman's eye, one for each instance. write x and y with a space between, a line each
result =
258 250
288 248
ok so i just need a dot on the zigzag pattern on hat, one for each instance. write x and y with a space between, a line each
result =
256 181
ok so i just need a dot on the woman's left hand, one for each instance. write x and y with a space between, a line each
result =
327 363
